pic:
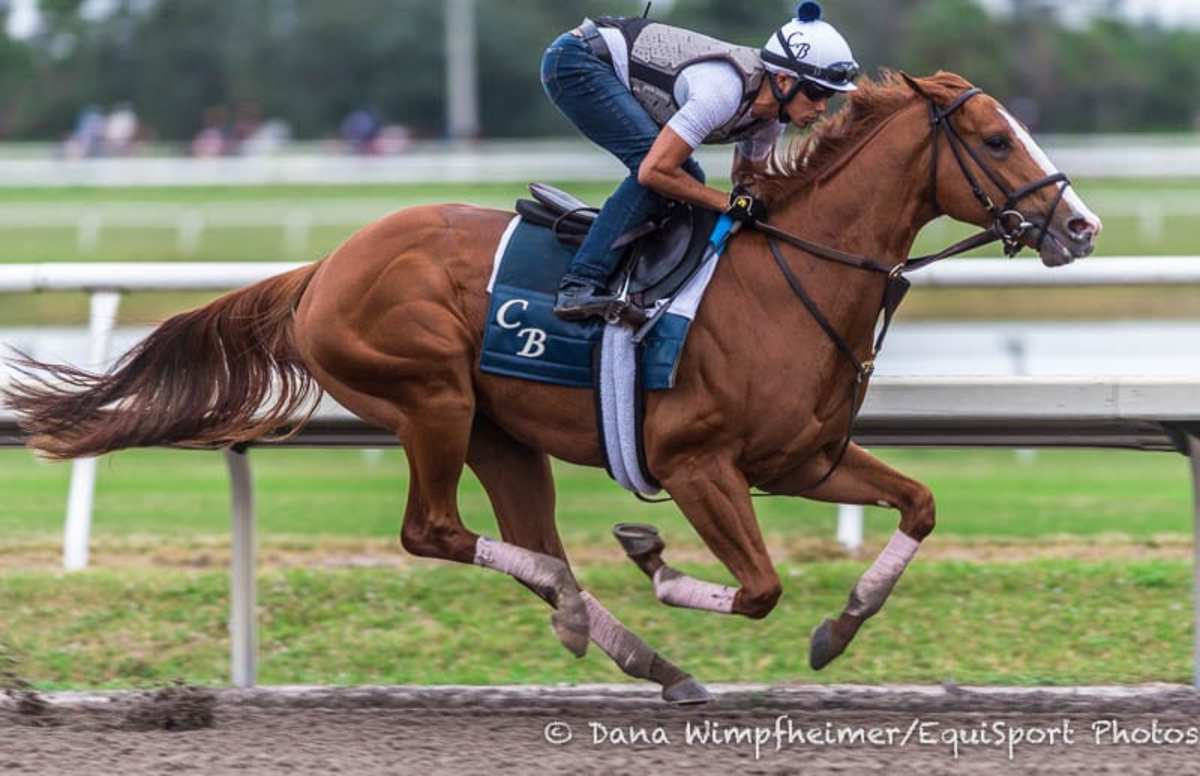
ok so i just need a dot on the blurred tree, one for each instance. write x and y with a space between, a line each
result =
957 35
748 24
512 39
311 62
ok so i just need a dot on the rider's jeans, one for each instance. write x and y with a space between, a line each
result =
587 91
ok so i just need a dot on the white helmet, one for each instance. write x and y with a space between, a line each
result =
813 50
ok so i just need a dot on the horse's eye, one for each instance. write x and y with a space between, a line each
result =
998 143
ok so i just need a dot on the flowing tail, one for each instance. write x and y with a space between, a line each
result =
225 373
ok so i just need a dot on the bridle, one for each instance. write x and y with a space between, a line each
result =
1008 223
1009 226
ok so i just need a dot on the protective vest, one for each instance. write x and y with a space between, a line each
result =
658 53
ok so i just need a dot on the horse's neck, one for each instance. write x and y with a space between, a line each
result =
876 202
872 206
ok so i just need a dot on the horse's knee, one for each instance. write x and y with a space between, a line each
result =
757 604
918 512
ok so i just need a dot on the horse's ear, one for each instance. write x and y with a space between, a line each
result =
914 84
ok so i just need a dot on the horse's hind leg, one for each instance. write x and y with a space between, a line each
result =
863 479
433 420
437 446
519 483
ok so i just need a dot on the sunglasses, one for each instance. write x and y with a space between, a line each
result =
815 92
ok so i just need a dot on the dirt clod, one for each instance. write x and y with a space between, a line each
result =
177 707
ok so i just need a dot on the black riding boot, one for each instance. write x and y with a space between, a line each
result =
580 299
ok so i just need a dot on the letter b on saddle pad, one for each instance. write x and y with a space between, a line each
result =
524 338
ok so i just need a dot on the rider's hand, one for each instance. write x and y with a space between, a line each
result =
744 207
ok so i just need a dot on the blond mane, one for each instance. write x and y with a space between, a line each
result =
808 159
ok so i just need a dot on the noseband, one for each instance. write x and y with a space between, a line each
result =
1008 223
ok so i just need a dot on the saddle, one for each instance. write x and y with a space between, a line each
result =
660 255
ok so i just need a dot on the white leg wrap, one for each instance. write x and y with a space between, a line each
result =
630 653
676 589
533 568
876 584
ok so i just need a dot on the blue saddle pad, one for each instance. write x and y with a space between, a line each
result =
525 339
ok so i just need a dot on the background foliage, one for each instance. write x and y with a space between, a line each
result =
310 62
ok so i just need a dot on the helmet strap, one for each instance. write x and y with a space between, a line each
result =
782 97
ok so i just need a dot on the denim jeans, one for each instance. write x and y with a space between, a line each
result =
587 91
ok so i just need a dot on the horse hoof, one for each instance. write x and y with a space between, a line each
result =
638 539
570 622
822 649
686 692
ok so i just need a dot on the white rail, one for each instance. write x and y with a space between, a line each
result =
963 273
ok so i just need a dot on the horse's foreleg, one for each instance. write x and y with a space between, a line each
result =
519 484
863 479
715 498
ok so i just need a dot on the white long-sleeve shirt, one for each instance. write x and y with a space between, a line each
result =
709 94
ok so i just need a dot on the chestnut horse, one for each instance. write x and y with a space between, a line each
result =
390 324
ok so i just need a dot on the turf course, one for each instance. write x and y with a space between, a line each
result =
1046 622
153 607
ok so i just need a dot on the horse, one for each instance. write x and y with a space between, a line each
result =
390 325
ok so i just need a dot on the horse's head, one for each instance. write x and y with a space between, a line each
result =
987 170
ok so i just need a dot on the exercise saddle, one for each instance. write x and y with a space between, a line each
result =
661 255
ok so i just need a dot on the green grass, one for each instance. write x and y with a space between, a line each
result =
981 494
1047 622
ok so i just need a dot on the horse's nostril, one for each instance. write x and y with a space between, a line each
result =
1082 229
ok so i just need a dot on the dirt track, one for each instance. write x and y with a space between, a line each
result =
490 730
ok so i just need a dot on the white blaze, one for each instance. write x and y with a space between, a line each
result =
1036 153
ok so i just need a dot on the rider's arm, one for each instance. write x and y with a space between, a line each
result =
709 94
662 171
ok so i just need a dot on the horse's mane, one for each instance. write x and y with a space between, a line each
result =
808 159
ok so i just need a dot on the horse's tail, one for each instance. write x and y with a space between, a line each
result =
225 373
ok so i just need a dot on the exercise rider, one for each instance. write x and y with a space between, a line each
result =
651 94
